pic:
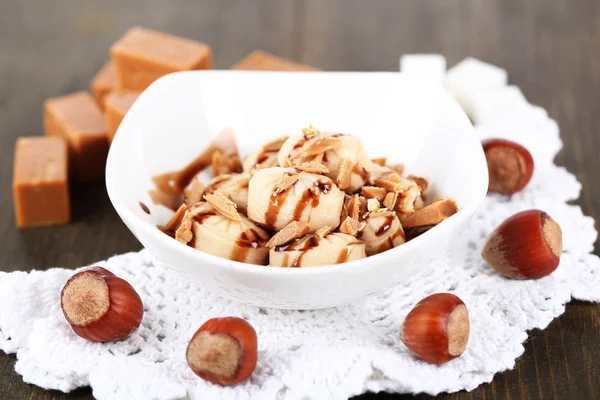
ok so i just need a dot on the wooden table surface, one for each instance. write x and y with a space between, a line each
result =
551 49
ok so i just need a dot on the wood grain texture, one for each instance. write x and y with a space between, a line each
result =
551 49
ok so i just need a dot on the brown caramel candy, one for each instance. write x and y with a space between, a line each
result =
263 61
104 82
142 56
117 104
40 182
77 118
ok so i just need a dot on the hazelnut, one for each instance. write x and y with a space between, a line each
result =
510 165
223 351
101 306
527 245
437 328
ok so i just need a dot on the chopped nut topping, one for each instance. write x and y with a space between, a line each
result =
176 219
275 144
324 231
380 212
372 204
313 167
310 131
379 161
422 183
194 194
287 163
389 185
390 200
399 168
223 205
287 181
350 226
374 192
433 214
184 233
356 207
317 145
344 176
224 164
293 230
319 158
392 176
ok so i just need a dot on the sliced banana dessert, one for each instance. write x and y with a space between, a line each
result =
234 187
216 227
278 196
343 156
294 247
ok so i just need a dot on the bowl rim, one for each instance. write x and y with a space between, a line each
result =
129 217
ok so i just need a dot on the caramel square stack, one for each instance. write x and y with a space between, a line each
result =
78 119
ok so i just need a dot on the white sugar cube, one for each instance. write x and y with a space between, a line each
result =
471 76
491 104
427 67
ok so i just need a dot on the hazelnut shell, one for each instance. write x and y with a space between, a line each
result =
437 328
223 351
527 245
100 306
510 165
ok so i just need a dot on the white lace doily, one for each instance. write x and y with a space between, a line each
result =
333 353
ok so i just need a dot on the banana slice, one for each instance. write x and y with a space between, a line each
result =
260 160
278 196
216 234
233 186
315 251
345 157
383 232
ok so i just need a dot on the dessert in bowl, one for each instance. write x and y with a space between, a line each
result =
295 215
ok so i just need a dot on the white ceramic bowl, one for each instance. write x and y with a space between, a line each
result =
176 117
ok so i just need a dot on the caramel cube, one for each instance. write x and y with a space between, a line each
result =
104 82
262 61
117 104
142 56
40 182
77 118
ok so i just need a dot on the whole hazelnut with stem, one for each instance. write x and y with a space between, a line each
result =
100 306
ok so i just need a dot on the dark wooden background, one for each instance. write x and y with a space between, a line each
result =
551 49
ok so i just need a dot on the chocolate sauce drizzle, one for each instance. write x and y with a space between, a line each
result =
249 239
303 245
144 207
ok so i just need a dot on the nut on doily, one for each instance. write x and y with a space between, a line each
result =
437 328
223 351
527 245
510 165
101 306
